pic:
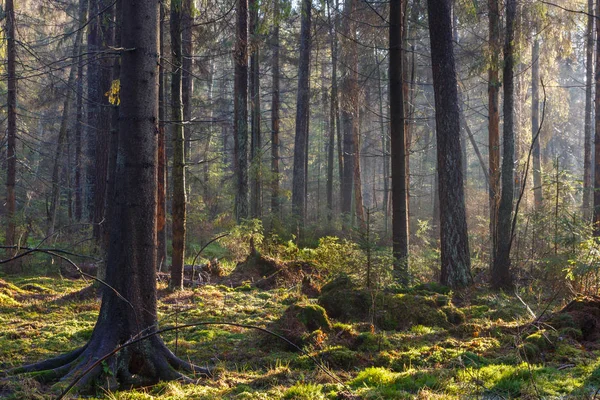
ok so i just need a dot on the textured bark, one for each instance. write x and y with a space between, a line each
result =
62 133
494 121
348 113
275 113
161 203
535 123
132 252
93 91
589 76
178 171
103 120
11 134
240 113
302 115
501 276
456 262
79 191
398 144
255 135
596 215
333 115
187 82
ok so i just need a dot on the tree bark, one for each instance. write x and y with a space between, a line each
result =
93 90
302 115
501 276
187 82
161 204
178 171
275 113
535 123
456 262
596 216
589 77
79 190
62 133
255 135
129 307
240 118
398 144
11 105
494 122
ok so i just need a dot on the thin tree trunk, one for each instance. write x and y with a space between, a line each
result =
255 140
240 119
11 100
275 114
596 216
187 82
398 144
347 110
302 116
501 276
456 262
589 76
62 133
535 117
178 170
332 116
494 123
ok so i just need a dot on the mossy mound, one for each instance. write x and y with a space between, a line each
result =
343 300
304 324
401 311
582 313
268 273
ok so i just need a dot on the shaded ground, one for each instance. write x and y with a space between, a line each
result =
492 353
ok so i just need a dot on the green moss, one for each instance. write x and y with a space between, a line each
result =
529 351
368 341
304 391
341 357
344 300
562 320
433 287
570 332
402 311
8 301
454 315
312 316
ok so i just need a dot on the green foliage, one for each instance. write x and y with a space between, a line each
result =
242 237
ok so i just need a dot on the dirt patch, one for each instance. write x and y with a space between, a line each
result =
267 273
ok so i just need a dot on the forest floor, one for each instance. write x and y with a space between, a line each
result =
423 343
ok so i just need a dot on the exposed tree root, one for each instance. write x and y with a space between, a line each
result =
103 362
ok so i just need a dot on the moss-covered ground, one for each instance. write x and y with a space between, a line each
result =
476 345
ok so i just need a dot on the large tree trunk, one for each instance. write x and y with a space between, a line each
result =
161 205
501 276
398 144
11 105
93 91
494 122
178 171
129 307
456 262
275 114
240 113
103 120
79 191
302 114
62 133
535 123
589 78
255 139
